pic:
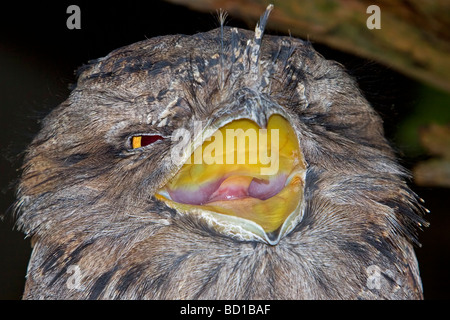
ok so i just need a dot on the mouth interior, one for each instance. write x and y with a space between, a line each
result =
243 172
233 187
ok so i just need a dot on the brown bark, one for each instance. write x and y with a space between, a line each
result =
414 37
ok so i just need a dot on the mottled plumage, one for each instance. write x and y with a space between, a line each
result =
87 199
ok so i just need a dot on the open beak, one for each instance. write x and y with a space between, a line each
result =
247 180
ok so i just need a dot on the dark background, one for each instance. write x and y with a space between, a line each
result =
38 56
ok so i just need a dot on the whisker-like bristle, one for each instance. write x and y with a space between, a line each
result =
222 15
259 32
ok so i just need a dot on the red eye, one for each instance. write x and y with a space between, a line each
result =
142 141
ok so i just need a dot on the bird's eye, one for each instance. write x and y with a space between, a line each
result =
144 140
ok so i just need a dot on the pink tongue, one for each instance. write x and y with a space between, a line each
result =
232 188
235 187
199 196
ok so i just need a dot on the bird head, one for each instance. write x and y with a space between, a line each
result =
223 164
